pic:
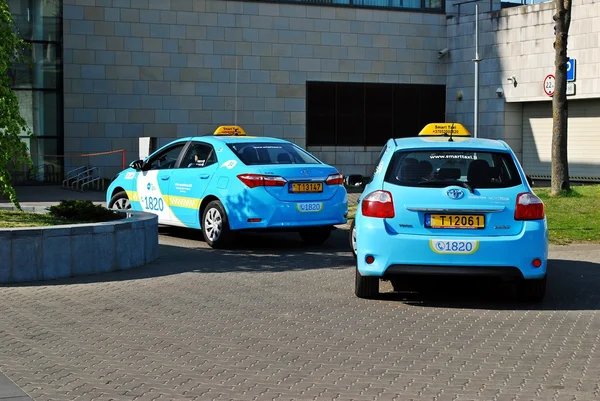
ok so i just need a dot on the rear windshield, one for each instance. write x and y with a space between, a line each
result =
440 168
254 153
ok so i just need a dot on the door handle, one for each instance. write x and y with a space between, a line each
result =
204 176
165 178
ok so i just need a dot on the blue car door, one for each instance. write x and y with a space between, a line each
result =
152 184
190 181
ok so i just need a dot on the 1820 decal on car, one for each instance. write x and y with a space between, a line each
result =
153 203
453 246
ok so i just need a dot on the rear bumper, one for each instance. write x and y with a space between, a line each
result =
274 214
439 270
395 254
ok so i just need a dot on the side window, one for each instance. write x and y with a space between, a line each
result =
165 159
199 155
377 168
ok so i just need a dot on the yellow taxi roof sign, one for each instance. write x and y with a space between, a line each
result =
444 129
231 130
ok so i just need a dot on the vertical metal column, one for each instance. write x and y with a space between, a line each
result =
476 60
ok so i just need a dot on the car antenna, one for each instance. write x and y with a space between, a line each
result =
451 129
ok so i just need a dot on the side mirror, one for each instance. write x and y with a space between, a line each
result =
355 180
137 165
530 181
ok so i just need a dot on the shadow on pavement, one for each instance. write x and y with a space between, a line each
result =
265 241
253 253
572 285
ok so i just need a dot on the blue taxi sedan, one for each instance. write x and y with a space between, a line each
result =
230 181
444 203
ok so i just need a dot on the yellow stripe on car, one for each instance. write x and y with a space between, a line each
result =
180 201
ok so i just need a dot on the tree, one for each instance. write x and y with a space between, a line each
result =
560 166
12 149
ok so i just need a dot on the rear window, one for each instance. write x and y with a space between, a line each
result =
440 168
257 153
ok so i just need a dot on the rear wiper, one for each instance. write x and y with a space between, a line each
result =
447 183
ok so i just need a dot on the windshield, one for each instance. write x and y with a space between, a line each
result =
440 168
260 153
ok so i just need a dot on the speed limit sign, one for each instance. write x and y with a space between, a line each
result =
549 84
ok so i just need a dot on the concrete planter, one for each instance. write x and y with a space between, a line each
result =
46 253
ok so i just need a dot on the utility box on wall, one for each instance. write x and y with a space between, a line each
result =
147 145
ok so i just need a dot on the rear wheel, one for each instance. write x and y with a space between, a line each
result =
353 238
215 226
531 290
366 287
120 201
315 235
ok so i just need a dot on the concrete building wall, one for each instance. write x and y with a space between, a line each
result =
167 68
517 42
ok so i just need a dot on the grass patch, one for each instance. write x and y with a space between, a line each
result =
573 216
67 212
10 219
351 210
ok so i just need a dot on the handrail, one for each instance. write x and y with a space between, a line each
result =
99 180
81 177
68 176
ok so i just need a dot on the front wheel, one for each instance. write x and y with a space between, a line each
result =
120 201
215 226
316 235
531 290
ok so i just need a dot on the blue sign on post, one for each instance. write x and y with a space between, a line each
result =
571 70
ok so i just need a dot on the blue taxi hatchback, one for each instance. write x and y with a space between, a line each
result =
444 203
229 181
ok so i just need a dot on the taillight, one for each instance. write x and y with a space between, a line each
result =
259 180
378 204
529 207
335 179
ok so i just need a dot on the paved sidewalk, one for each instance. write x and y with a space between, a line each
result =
9 391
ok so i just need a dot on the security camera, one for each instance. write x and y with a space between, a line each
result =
512 79
500 92
442 52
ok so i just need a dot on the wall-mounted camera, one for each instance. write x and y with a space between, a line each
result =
442 52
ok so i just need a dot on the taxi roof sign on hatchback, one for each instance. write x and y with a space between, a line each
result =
229 130
445 129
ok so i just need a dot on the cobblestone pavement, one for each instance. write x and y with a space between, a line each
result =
274 319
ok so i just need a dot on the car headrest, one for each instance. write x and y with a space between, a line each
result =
446 173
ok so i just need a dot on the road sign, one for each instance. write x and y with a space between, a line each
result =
570 88
549 84
571 70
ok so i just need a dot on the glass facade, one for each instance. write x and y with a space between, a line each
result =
39 84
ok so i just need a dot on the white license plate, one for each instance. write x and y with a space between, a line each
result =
464 247
309 207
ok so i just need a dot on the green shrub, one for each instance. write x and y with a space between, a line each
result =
83 211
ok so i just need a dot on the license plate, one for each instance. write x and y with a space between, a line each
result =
306 187
455 221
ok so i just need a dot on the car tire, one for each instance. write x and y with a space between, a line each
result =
366 287
315 235
531 290
215 226
120 201
352 238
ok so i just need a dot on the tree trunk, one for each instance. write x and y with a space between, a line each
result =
560 167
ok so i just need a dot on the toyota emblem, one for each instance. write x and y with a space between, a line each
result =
455 193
